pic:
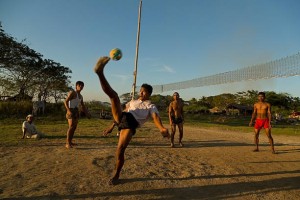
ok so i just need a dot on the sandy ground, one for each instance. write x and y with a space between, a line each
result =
214 164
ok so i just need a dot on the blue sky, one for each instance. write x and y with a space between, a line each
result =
180 40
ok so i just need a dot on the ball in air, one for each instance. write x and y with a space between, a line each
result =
115 54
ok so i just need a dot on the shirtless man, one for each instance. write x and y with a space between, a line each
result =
72 102
137 112
176 118
262 113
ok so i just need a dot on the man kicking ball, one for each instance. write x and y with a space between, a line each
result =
137 112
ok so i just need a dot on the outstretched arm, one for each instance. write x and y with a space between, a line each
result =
109 129
159 125
182 112
253 115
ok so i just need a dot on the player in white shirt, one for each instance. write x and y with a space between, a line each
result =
72 103
137 112
29 130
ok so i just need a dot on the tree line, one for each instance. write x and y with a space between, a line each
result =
25 73
282 103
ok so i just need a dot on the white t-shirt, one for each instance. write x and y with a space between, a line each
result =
74 103
141 110
30 128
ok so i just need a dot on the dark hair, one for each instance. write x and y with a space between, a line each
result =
262 93
147 87
80 83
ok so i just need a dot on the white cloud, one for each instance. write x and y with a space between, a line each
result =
166 68
122 77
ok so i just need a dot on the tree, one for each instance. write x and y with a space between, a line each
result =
204 102
18 64
281 100
223 100
53 80
161 102
295 103
25 72
126 97
248 97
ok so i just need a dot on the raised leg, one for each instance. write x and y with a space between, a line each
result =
114 98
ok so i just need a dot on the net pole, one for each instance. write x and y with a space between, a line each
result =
136 51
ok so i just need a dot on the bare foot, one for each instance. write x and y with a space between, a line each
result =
165 133
101 64
273 152
68 146
255 150
114 181
172 145
180 144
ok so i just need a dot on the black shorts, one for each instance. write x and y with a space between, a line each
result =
128 122
74 114
177 120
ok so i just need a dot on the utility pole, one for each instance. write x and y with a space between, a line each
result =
137 51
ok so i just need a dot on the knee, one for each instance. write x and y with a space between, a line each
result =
72 128
121 150
113 95
270 137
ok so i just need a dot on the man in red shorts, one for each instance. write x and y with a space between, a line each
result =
262 113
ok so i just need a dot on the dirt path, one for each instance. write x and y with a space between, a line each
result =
214 164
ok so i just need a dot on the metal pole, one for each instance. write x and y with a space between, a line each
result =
137 50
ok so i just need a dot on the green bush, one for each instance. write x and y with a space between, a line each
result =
15 108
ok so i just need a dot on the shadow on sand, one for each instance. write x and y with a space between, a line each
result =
214 191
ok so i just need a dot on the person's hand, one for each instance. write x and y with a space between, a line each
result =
165 133
107 131
250 123
69 112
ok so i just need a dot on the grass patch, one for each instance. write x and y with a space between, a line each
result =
11 132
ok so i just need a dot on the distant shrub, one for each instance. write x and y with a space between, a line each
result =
15 108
